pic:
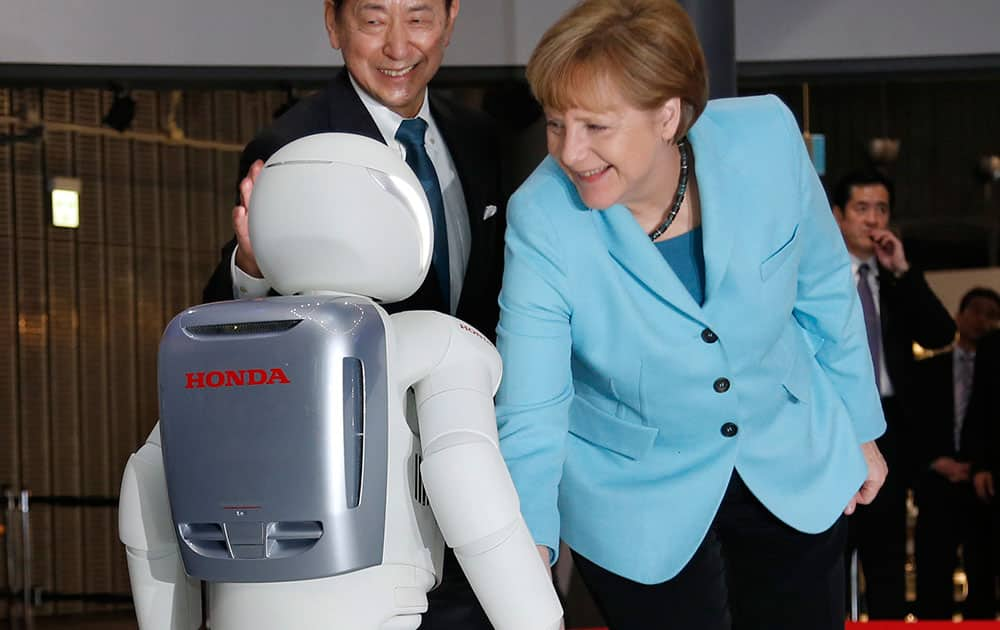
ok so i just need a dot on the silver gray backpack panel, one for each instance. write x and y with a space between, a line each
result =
274 420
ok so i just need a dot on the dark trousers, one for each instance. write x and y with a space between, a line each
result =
952 515
752 572
453 605
878 530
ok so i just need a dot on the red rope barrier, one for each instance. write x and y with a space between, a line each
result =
902 625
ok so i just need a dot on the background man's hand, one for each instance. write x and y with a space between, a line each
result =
951 469
877 471
889 250
245 259
983 483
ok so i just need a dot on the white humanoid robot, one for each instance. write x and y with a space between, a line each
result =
298 434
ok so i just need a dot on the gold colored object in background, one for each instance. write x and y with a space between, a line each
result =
883 150
989 166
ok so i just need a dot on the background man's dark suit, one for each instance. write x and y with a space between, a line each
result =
983 416
983 426
475 151
950 513
473 146
909 311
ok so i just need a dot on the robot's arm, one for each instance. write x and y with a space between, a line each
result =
467 482
165 597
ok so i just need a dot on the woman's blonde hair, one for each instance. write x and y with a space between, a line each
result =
645 49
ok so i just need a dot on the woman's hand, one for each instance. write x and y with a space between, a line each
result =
877 471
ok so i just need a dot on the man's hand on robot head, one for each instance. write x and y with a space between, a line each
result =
245 259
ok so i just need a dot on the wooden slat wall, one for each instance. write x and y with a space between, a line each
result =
96 477
63 357
10 460
82 311
34 344
120 282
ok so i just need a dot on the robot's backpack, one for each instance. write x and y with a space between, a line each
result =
273 415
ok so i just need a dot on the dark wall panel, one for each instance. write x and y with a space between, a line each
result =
97 547
9 439
63 363
82 311
33 337
944 127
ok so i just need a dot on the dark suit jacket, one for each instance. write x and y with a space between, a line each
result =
474 149
933 398
982 420
910 311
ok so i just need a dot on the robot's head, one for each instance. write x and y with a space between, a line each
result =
337 212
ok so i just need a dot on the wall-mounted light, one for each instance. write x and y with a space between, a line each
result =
66 202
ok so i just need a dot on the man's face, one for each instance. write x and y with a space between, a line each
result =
392 48
867 209
979 317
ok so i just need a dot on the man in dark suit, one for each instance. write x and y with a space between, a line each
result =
391 50
982 426
983 421
950 513
899 309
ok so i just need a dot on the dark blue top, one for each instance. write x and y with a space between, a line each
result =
686 257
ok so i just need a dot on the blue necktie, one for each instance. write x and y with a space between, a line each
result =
873 325
411 135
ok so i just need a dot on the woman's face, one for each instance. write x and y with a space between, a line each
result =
616 154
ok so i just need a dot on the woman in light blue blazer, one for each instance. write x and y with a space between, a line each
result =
688 399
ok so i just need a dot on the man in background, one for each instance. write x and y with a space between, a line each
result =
950 513
983 430
391 50
899 309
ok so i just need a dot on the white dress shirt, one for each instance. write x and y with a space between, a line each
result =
456 213
885 383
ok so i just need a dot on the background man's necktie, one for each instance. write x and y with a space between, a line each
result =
873 326
411 134
964 368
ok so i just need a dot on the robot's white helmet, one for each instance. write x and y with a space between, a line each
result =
336 212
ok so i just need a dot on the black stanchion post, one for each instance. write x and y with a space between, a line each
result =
715 22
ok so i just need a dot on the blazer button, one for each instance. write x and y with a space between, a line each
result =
708 336
729 429
721 385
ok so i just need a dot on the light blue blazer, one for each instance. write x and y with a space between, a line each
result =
611 409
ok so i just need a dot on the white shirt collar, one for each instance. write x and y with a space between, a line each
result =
961 353
385 119
871 261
